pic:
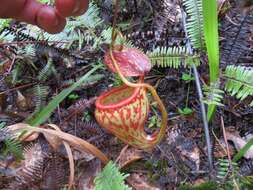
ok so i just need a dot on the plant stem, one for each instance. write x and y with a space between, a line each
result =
204 118
202 105
188 92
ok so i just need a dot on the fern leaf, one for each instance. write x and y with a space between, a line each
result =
28 51
239 81
40 93
110 178
106 37
46 71
213 95
194 22
91 18
4 132
79 28
227 172
14 147
4 23
11 144
172 57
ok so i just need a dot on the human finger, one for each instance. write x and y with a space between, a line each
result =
33 12
71 7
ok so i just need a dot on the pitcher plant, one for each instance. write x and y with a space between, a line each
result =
124 110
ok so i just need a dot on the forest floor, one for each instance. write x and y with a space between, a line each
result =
180 158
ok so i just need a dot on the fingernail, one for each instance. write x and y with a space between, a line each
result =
77 7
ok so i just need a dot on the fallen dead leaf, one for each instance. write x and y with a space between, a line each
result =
223 7
239 143
220 149
140 182
129 155
28 136
87 176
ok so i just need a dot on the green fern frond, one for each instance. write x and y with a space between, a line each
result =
14 147
11 144
80 29
224 169
227 174
40 93
28 51
3 24
173 57
4 35
111 179
228 177
91 18
239 81
4 132
213 95
16 73
106 37
194 22
2 124
46 71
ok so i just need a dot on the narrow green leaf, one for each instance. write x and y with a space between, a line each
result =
243 151
210 15
46 112
211 37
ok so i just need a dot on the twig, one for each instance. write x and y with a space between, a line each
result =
228 153
226 140
30 42
221 145
17 88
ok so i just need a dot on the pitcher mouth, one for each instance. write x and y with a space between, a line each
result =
106 101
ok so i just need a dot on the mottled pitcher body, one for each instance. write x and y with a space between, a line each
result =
123 111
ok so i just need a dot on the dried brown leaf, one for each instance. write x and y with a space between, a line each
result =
87 176
139 182
28 136
129 155
239 143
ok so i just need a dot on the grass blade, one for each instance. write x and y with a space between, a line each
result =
46 112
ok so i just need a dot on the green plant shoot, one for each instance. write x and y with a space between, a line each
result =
210 15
